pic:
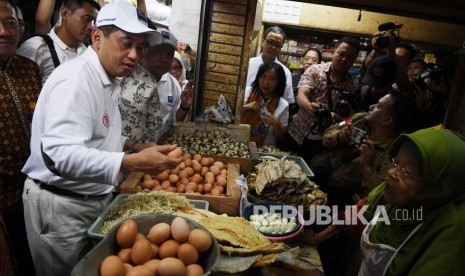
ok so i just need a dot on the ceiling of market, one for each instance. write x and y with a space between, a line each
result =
449 11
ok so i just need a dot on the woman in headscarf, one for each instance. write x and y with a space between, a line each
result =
178 70
265 110
420 229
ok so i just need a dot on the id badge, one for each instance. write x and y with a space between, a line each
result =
170 100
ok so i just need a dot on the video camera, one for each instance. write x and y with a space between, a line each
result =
391 27
346 102
323 119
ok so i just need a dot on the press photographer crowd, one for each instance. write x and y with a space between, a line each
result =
106 96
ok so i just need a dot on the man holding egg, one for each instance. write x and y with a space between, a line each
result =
76 145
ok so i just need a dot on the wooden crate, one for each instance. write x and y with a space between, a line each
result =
228 204
239 132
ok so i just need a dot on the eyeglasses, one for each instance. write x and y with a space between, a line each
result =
272 43
400 171
176 69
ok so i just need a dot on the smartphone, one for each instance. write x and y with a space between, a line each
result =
358 135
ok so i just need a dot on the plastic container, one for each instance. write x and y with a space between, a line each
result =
90 264
299 160
94 232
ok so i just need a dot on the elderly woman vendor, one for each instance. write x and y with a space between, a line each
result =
421 231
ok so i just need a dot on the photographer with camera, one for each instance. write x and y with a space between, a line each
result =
317 99
387 42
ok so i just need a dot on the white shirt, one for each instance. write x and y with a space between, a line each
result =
77 124
254 64
37 50
169 93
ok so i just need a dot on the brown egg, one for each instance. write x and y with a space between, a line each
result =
140 236
197 157
221 180
155 249
209 177
191 186
219 188
200 239
159 233
196 166
181 188
140 270
186 156
205 162
204 171
141 252
162 176
207 188
176 153
219 165
157 188
175 170
165 184
127 233
168 249
147 177
173 178
112 266
197 178
183 174
180 229
188 254
171 189
194 270
215 170
184 181
128 267
215 192
153 265
211 160
125 255
182 165
223 172
190 171
171 267
188 162
200 188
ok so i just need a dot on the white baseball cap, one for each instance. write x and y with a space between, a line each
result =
167 37
128 18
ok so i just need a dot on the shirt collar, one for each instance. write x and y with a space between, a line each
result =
80 49
94 60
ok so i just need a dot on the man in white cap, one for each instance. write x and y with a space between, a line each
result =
76 145
151 98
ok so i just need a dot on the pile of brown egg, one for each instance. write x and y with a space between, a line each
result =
195 175
166 250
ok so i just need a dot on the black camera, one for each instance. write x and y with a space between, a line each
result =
323 119
347 101
382 40
436 74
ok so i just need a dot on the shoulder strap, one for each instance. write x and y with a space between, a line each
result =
48 40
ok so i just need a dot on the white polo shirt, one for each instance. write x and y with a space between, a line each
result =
169 93
254 64
77 126
37 50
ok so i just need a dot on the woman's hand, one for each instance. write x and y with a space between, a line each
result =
269 119
255 106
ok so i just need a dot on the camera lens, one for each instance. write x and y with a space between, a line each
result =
343 109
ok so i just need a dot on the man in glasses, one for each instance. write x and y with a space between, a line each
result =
272 43
63 42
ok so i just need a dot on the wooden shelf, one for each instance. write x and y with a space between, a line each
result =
291 54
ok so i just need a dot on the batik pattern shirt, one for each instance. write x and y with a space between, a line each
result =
23 76
140 108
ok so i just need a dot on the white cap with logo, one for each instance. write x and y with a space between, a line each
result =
128 18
